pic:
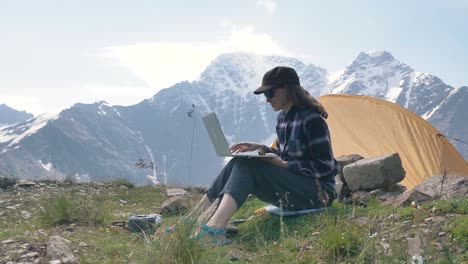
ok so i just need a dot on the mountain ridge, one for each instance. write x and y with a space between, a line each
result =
102 142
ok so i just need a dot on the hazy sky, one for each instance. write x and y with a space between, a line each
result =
56 53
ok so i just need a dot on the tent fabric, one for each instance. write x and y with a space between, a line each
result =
373 127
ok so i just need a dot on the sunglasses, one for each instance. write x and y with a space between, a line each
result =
270 93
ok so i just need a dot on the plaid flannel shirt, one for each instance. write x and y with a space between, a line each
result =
304 143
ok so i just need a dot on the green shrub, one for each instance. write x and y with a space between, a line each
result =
67 209
444 206
339 238
122 182
459 228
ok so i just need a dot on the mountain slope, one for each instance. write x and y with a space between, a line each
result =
9 115
451 119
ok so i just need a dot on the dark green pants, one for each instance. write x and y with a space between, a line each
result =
271 184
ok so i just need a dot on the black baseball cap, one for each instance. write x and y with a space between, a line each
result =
278 76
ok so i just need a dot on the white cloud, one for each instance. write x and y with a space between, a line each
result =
269 5
162 64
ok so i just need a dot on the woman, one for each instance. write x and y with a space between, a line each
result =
301 173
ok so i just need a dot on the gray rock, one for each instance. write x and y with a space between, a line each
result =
26 184
363 197
174 206
176 192
444 187
405 199
346 160
340 183
58 248
374 173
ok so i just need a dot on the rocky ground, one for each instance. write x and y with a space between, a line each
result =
371 232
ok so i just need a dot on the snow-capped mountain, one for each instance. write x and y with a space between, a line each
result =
102 142
450 118
379 74
9 116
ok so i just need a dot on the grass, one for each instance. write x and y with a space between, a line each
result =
347 234
68 209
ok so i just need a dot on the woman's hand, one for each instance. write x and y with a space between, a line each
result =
245 146
276 160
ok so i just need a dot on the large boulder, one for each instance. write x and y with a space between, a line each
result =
374 173
444 187
176 205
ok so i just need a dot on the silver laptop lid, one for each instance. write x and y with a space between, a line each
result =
216 135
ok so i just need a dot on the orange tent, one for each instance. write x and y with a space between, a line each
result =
372 127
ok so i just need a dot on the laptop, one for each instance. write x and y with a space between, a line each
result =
219 141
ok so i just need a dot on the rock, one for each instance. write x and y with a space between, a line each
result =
362 197
339 184
444 187
346 160
8 241
6 182
25 214
200 188
83 244
405 199
176 192
58 249
26 184
30 255
374 173
414 246
174 206
362 220
339 178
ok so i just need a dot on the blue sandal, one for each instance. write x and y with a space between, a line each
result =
215 233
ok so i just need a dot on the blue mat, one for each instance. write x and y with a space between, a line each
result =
277 211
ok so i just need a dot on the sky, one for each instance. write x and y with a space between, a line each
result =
54 54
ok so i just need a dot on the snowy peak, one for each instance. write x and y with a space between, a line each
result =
243 72
374 73
374 58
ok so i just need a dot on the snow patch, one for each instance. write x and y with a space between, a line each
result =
154 177
429 113
117 112
344 84
101 111
413 76
393 94
332 77
80 178
47 166
29 128
375 53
